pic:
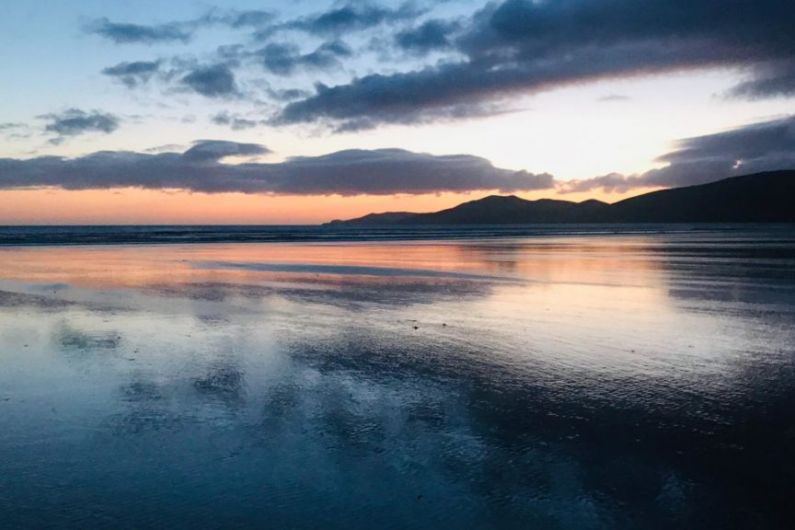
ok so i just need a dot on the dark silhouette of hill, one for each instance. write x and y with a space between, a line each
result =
497 209
761 197
379 218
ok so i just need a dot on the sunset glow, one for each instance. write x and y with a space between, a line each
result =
142 84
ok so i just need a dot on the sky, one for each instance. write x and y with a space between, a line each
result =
301 112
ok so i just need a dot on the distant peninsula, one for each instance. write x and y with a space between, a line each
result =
756 198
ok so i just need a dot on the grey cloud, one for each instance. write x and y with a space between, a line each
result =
758 147
523 46
215 150
284 59
200 168
410 97
611 182
234 121
287 94
212 81
126 33
352 16
251 18
163 148
15 130
72 122
431 35
231 52
177 31
132 74
777 79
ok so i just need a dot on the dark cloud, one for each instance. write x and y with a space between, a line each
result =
235 122
353 16
284 59
412 97
754 148
200 168
524 46
73 122
215 150
430 35
335 48
132 74
212 81
126 33
777 79
279 58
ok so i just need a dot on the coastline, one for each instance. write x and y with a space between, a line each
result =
79 235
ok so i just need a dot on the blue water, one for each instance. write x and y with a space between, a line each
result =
641 379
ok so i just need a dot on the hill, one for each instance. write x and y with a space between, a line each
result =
761 197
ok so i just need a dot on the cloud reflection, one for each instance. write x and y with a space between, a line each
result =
568 400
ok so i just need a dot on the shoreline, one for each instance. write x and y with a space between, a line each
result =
135 235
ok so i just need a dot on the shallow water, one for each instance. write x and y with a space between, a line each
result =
582 381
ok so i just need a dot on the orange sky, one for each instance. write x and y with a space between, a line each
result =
136 206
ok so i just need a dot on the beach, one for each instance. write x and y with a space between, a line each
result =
589 380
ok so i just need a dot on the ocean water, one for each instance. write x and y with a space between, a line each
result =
636 377
176 234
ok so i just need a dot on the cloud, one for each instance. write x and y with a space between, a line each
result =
758 147
526 46
287 94
132 74
253 18
429 36
284 59
346 18
15 130
412 97
234 121
163 148
178 31
215 150
212 81
73 122
126 33
777 79
201 168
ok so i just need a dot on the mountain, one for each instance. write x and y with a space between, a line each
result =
761 197
494 209
387 218
497 209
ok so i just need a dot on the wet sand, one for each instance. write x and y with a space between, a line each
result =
584 381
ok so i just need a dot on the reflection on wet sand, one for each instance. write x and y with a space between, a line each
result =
610 381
